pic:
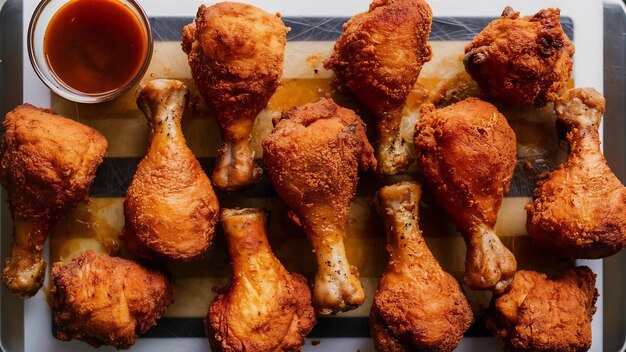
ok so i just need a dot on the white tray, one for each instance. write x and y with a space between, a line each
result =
586 15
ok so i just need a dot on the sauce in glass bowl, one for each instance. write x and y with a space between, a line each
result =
95 46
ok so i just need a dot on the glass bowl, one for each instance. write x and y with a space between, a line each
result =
37 31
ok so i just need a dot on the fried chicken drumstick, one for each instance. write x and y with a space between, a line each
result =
264 308
378 59
104 300
170 207
313 156
236 54
418 306
467 155
579 210
521 61
47 163
538 314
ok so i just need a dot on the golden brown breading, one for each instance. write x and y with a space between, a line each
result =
579 210
418 306
264 307
538 314
313 156
521 61
236 54
104 300
378 59
47 163
170 207
381 52
467 155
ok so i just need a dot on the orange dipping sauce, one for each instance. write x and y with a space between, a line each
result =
95 46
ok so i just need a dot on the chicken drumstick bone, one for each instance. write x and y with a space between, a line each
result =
579 210
313 156
378 58
170 207
410 312
265 307
467 154
47 164
236 54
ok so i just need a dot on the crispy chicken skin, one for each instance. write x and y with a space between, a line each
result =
467 154
378 59
104 300
47 163
418 306
521 61
264 308
170 208
538 314
579 210
236 54
313 156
